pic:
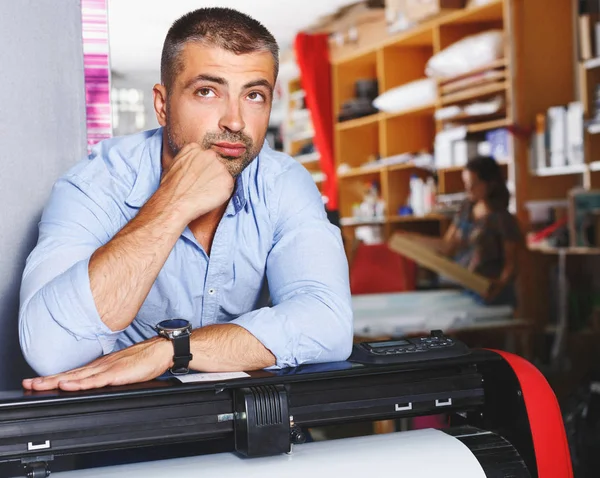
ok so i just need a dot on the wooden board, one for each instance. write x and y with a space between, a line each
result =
426 257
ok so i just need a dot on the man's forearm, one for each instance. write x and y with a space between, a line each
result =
228 348
123 270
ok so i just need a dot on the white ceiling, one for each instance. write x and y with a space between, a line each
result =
137 28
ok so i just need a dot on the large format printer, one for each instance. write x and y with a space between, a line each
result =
503 420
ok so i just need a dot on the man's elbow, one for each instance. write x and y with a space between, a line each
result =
38 353
46 346
336 344
341 348
42 363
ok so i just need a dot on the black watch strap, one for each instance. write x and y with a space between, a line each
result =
182 356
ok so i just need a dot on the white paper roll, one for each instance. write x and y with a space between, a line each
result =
419 453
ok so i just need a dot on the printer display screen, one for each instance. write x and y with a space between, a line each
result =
394 343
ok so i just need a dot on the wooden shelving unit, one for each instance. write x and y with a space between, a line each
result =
298 130
535 73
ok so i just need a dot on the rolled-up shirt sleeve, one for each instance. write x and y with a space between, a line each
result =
307 272
59 325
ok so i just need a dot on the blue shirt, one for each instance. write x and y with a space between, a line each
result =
277 266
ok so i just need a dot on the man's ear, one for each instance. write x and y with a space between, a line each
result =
159 93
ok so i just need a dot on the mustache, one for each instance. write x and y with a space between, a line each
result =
226 137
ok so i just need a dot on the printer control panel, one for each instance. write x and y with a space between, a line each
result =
435 346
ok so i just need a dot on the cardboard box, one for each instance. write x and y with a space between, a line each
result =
394 9
360 28
417 10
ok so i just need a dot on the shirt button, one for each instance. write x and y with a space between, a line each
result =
211 291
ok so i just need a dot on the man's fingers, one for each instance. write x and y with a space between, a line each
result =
51 382
98 380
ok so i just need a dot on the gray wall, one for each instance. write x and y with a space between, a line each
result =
42 133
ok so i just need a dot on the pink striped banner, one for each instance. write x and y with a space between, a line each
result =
97 70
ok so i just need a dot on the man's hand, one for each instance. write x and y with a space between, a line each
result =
196 182
138 363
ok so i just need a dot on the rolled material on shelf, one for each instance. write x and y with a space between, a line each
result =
423 453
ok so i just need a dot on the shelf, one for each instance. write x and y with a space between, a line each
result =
402 166
592 63
560 170
302 136
474 93
422 34
579 251
594 128
501 63
308 158
352 221
426 218
355 172
453 169
488 125
491 11
358 122
595 166
473 119
419 35
427 110
358 56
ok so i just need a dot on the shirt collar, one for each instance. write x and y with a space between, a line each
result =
238 200
150 170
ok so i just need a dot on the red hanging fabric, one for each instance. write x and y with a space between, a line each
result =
312 56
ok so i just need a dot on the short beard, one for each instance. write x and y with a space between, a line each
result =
235 165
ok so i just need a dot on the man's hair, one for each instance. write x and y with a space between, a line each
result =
221 27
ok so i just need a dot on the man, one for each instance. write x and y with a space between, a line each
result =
193 221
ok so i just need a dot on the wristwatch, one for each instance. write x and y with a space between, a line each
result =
178 331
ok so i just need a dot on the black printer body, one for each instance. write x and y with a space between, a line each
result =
266 413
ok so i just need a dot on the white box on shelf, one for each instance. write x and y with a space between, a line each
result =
575 133
444 144
557 128
462 151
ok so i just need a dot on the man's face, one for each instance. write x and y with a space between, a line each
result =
221 101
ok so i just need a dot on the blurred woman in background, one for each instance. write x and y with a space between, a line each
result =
484 236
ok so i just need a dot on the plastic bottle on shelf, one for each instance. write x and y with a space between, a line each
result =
429 195
416 195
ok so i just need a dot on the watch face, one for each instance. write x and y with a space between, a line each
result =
174 324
